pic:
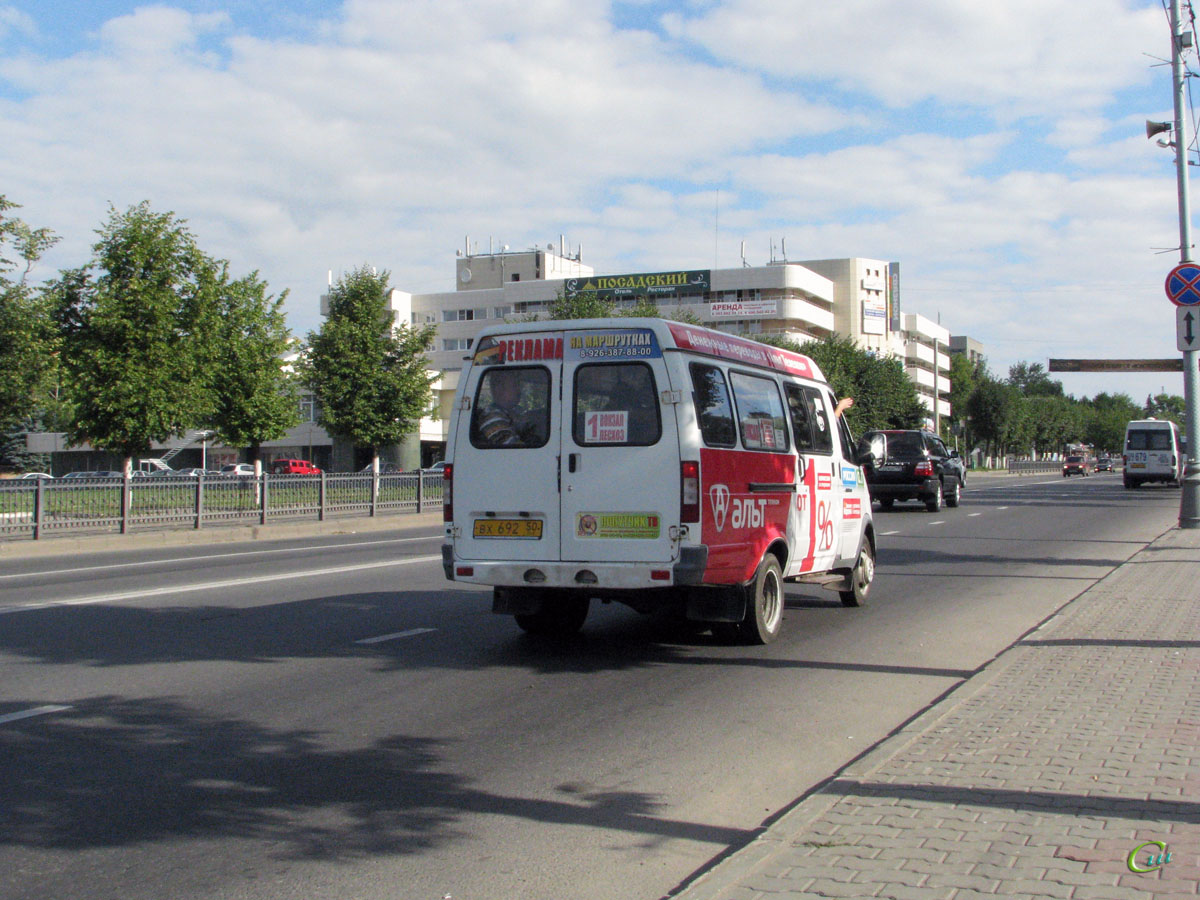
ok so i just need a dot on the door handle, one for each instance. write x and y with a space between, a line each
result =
572 462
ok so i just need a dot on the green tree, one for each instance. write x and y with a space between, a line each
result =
255 398
1110 413
965 375
995 413
1167 406
137 324
368 371
1032 380
584 305
28 357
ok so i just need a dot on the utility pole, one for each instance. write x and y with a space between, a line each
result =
1189 501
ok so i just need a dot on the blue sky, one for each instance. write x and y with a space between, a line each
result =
997 151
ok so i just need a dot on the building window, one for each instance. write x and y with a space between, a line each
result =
310 409
457 343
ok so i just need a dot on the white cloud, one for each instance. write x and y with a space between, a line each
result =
13 21
398 128
1016 57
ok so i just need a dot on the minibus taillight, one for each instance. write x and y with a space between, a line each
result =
689 491
448 493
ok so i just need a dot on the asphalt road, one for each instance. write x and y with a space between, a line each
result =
327 717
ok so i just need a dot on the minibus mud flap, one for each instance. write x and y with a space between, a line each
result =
516 601
717 604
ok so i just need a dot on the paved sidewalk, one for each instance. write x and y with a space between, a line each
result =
1036 778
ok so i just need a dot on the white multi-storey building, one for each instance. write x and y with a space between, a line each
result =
805 299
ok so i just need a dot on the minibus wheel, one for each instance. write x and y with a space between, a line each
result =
562 613
861 577
764 617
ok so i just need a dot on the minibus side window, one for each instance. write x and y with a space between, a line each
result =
616 404
710 396
802 425
512 408
760 412
822 432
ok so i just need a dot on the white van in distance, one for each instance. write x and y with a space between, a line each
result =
1153 452
650 462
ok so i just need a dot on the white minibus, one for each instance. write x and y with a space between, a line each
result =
650 462
1153 452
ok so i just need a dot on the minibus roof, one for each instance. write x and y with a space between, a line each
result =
680 336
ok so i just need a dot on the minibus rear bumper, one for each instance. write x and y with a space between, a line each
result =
687 569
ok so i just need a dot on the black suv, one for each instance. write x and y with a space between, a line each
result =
911 465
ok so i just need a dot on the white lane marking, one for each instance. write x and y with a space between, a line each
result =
886 533
1001 507
30 713
937 522
234 555
212 585
973 515
392 637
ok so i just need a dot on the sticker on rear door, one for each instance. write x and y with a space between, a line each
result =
618 526
606 427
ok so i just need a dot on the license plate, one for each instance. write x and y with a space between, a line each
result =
530 529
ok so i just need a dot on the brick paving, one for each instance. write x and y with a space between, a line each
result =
1037 778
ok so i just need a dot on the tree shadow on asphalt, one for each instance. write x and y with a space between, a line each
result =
112 772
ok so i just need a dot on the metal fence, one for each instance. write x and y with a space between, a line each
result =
34 509
1030 467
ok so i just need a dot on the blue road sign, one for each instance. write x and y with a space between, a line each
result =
1183 284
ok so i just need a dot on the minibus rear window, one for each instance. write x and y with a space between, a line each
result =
512 408
710 396
616 404
1149 439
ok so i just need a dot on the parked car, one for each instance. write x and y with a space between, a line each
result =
294 467
93 476
40 476
384 469
911 465
1104 464
436 467
1077 465
238 470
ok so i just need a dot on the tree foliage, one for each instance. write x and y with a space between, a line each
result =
255 400
137 326
27 348
585 305
368 371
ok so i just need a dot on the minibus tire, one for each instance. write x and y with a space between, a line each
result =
562 613
861 577
764 613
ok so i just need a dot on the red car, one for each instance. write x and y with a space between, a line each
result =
294 467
